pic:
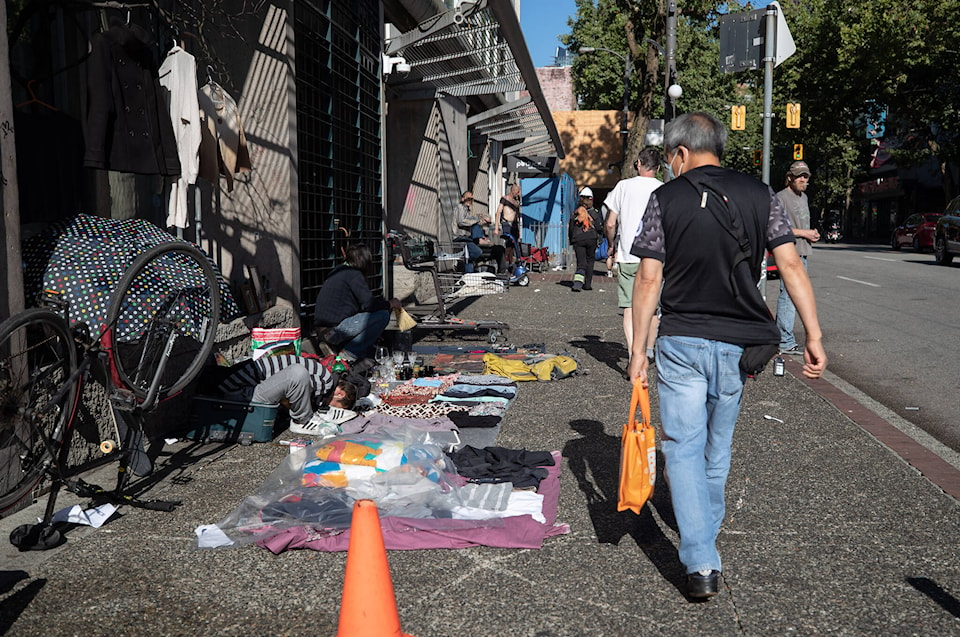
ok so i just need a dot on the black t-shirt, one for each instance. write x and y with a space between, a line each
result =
698 253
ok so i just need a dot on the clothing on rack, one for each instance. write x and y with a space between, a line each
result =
127 128
178 74
223 146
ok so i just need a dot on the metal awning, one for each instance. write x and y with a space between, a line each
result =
477 49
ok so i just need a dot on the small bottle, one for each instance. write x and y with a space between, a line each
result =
778 368
338 366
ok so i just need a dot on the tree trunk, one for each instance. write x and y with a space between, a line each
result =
647 82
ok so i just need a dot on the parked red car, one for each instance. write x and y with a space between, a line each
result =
916 231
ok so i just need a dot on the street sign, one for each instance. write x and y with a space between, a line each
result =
742 40
531 165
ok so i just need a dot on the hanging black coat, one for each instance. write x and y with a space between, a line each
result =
127 127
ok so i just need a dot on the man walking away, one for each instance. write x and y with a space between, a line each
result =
793 198
626 203
703 239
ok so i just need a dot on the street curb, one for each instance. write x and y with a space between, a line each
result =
928 463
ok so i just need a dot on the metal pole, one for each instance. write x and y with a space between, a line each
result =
671 62
625 130
769 57
11 287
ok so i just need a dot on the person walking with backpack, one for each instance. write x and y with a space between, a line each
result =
703 239
584 234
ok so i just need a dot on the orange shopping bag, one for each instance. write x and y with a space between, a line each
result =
638 454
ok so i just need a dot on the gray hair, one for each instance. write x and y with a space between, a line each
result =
698 132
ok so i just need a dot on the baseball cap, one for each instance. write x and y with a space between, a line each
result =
798 168
586 192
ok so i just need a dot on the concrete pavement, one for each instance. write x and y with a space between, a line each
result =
828 530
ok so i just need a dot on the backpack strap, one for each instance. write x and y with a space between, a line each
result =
732 221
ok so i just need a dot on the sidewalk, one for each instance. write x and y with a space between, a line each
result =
827 530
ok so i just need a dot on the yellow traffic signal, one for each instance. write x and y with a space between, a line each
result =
738 117
798 151
793 115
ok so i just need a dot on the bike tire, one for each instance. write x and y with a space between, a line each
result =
170 291
38 396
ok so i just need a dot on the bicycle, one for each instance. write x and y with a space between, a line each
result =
159 331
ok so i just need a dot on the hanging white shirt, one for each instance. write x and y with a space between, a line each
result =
178 74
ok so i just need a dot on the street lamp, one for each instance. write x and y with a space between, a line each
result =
627 70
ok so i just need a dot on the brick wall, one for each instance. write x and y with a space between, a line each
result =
556 82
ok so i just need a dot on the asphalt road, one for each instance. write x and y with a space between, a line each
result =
891 323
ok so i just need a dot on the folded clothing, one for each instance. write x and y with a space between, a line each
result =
463 420
497 464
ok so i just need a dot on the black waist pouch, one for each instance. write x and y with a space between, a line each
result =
756 357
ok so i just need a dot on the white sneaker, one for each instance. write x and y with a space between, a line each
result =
324 422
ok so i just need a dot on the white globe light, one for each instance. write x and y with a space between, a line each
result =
674 91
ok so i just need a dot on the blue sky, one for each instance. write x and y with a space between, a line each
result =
543 21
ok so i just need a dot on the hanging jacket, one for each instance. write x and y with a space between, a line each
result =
127 127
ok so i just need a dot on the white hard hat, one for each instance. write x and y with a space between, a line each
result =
586 192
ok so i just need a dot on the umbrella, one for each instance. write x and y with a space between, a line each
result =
83 258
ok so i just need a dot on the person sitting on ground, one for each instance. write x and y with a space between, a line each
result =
347 315
312 393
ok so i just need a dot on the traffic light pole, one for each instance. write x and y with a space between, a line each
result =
769 58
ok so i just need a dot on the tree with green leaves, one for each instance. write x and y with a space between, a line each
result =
638 29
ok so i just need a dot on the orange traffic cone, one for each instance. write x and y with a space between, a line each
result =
368 607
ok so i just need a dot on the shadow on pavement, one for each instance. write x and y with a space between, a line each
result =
594 462
606 352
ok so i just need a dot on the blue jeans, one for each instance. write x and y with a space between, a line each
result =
700 385
786 315
356 334
473 252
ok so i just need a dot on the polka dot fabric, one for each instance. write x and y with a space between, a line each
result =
83 258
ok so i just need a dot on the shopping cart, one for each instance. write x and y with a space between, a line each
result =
451 284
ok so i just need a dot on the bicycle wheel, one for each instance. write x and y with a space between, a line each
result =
37 359
164 315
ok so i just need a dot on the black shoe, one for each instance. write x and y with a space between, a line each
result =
586 288
362 366
703 586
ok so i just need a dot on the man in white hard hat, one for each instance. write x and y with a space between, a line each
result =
584 233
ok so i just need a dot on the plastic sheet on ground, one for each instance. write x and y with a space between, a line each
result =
307 502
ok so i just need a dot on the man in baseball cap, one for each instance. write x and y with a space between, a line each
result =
793 198
798 169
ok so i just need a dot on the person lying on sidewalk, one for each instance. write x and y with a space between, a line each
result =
347 316
318 401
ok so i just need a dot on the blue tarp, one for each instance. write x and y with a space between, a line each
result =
546 206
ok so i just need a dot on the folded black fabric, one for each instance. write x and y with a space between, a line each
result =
463 419
497 464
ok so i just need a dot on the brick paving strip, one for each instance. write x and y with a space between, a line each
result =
929 464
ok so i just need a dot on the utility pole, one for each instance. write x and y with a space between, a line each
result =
670 77
769 59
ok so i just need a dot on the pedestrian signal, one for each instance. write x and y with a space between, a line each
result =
798 151
793 115
757 157
738 117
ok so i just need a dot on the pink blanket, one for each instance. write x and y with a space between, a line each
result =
521 531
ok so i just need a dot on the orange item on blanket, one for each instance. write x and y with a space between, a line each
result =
347 452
